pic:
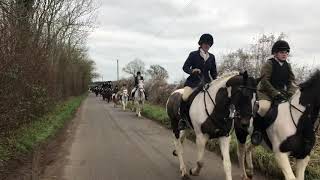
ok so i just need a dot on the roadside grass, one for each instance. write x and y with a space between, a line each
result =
263 159
26 138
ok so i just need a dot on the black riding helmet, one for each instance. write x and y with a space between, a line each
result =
138 73
206 38
280 45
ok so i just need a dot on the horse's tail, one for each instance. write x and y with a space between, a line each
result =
173 108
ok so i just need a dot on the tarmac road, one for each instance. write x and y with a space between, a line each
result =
110 144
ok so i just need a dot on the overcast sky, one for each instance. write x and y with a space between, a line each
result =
165 31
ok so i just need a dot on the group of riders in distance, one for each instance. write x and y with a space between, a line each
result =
121 96
272 110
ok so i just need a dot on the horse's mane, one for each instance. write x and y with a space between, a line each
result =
225 77
315 77
229 74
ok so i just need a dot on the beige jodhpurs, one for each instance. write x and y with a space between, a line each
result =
187 91
264 106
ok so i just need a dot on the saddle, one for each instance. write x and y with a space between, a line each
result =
218 122
188 103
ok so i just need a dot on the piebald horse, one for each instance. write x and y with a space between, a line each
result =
115 99
296 118
221 99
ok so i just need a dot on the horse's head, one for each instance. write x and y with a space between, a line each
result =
310 90
241 90
310 97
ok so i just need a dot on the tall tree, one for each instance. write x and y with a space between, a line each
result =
134 66
158 72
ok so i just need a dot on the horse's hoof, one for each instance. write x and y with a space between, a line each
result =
193 174
243 178
246 178
185 177
174 153
250 176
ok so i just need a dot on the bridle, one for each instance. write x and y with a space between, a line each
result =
310 115
236 112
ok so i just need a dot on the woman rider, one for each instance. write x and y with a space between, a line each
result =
199 65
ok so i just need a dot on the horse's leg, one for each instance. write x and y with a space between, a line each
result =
284 164
137 108
241 152
224 147
179 152
201 141
301 167
140 107
249 161
241 135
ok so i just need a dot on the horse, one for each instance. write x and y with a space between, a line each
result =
107 94
139 98
96 91
296 120
115 99
124 98
215 104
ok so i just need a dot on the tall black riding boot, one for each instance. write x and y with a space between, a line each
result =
182 125
256 137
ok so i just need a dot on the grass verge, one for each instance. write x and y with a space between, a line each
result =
26 138
263 160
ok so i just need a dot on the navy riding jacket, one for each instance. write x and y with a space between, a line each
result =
208 68
136 80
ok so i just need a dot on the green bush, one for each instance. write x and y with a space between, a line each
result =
27 137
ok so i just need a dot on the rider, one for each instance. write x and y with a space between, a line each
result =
109 84
199 65
276 85
137 79
124 88
116 89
